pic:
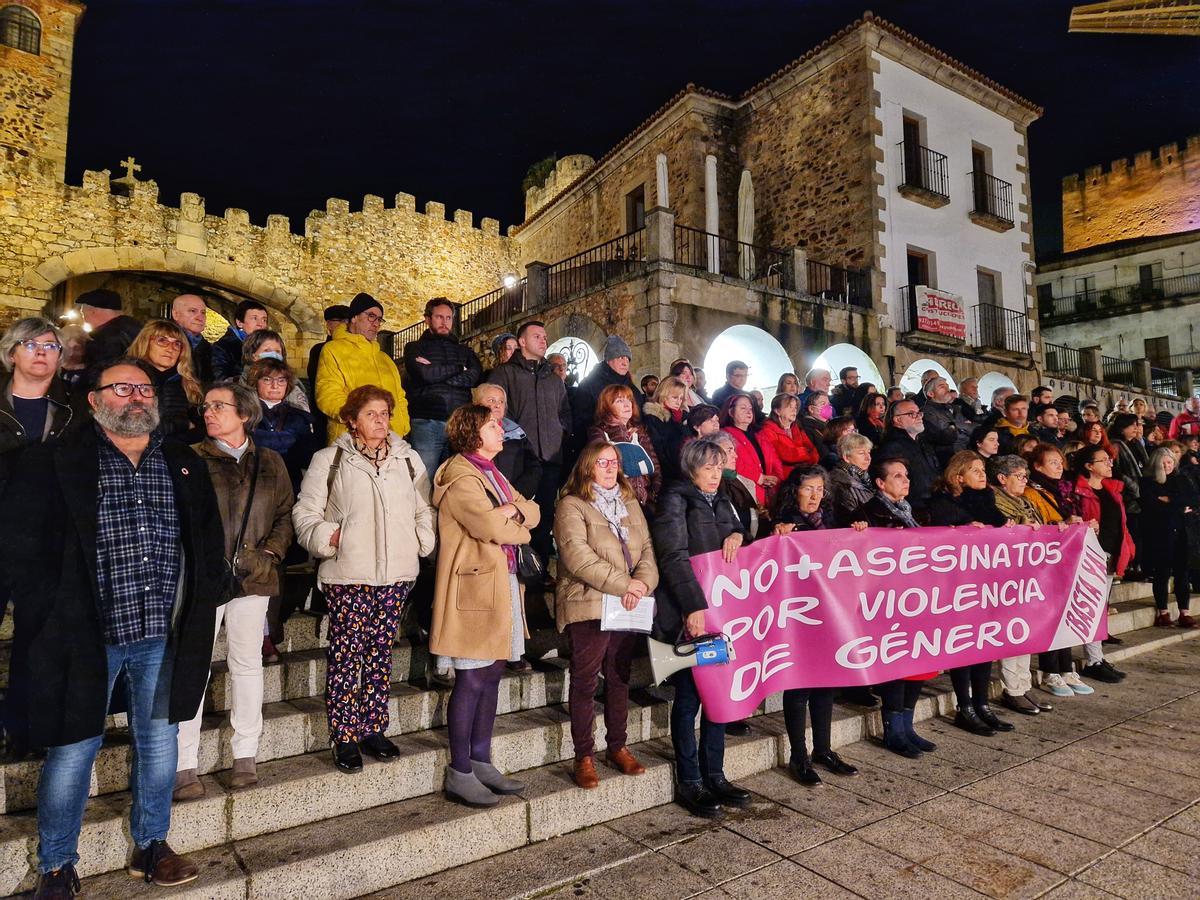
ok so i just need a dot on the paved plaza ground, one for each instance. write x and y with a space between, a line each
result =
1099 798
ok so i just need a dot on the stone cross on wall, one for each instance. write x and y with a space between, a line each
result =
130 165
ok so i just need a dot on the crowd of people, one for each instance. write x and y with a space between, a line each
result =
157 487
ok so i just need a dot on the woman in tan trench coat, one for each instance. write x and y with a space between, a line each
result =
478 613
604 547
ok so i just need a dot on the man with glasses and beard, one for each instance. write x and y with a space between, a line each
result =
114 558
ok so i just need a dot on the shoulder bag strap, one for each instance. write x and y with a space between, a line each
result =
237 546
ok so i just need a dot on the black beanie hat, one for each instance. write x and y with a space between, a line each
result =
363 302
338 312
100 298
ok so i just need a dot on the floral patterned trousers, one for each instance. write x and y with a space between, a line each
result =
358 670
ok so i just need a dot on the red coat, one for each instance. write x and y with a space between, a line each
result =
1089 510
1184 418
793 448
748 464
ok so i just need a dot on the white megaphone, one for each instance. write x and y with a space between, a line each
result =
706 650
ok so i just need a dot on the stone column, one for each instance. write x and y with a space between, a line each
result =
795 272
1090 365
660 235
711 224
1187 382
1141 373
537 285
662 184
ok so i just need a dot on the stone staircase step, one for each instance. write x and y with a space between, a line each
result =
303 789
299 726
390 840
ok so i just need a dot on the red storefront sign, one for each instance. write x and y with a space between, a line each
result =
940 312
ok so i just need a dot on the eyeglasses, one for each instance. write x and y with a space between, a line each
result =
47 346
374 319
126 389
216 406
916 413
608 463
274 381
161 340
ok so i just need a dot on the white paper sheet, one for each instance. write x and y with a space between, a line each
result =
615 617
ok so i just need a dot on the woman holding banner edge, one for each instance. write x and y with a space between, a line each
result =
694 517
800 510
889 508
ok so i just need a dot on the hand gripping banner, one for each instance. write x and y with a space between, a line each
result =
844 607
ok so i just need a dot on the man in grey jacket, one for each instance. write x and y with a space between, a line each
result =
537 401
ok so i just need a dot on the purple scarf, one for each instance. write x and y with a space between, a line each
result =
496 479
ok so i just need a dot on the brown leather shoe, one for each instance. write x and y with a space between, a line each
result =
1163 620
585 773
1185 620
625 762
159 864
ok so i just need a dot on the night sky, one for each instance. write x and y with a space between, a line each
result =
275 106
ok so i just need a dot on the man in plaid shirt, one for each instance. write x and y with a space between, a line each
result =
114 554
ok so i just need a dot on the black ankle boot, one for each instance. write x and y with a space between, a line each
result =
968 720
991 719
729 794
346 757
698 800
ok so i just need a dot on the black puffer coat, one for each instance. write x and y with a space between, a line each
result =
686 525
437 389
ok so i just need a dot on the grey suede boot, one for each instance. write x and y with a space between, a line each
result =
244 773
187 786
491 778
467 789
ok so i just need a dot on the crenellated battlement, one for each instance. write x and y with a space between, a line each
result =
1155 193
111 223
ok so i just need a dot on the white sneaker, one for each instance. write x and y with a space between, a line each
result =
1076 684
1055 684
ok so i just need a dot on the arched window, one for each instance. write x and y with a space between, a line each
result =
20 28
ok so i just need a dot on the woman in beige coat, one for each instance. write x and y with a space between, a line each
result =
478 613
604 547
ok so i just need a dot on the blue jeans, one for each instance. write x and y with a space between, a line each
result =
63 786
692 765
428 438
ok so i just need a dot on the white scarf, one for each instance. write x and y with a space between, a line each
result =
610 504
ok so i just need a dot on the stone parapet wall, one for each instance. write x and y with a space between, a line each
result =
1158 194
50 232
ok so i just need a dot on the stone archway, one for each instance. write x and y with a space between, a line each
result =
765 356
838 356
580 339
910 383
298 319
990 382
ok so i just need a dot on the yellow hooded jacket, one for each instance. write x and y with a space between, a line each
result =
350 361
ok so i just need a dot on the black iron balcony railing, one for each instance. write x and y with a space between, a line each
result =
844 285
924 169
999 328
1116 371
1063 360
595 266
1187 360
1109 299
696 249
992 196
1164 381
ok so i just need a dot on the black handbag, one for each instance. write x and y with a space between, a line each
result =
529 566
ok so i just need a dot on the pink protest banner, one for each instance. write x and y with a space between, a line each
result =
840 608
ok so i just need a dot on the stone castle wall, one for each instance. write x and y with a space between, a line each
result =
35 89
593 211
51 232
1156 195
808 146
